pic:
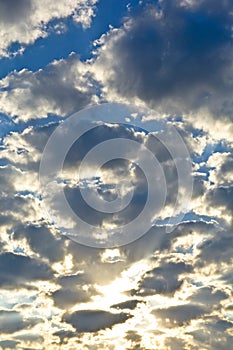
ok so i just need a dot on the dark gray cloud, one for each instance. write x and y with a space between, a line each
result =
17 270
13 321
208 296
65 298
216 249
72 281
224 343
8 344
11 10
99 134
213 333
74 289
42 241
129 304
175 55
219 325
94 320
175 344
16 205
64 336
154 240
163 279
157 240
179 315
222 198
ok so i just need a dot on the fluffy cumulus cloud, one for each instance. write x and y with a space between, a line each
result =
175 56
64 87
168 289
24 21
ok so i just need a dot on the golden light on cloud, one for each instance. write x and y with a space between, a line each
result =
116 219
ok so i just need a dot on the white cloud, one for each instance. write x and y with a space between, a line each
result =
63 87
25 21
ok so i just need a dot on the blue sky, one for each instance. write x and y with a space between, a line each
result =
116 179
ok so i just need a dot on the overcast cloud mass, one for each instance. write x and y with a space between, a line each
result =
169 288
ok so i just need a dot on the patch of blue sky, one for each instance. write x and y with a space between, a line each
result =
192 216
26 193
209 150
19 250
189 216
73 39
7 125
183 250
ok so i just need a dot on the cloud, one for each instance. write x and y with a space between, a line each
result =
94 320
208 297
129 304
221 199
219 325
31 338
18 208
66 298
149 60
8 344
164 279
221 164
74 289
113 174
64 336
175 344
176 57
63 87
135 340
42 241
12 9
12 321
213 333
18 270
216 249
25 21
179 315
157 240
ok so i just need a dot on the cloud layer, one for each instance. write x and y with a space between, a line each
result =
163 291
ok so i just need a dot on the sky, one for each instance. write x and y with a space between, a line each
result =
116 174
